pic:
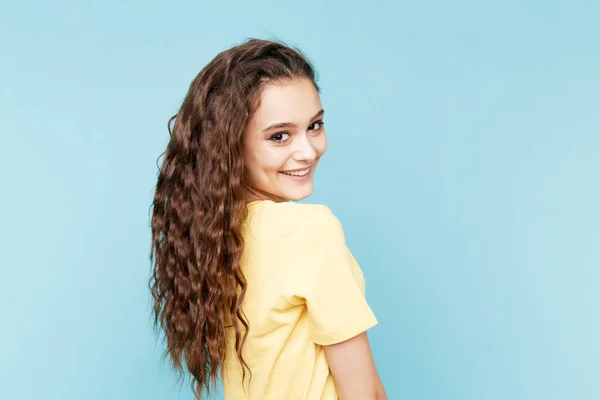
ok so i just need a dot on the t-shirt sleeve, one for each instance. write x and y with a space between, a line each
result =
325 277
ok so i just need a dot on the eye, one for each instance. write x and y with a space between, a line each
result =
279 137
315 126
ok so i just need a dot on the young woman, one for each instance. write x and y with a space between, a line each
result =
247 284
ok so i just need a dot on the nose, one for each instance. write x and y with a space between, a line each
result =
304 150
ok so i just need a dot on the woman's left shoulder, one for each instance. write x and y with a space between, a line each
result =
315 217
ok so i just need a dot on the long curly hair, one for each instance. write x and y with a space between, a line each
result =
199 206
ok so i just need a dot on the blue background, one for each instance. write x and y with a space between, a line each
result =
463 162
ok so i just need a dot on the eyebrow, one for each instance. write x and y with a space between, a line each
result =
279 125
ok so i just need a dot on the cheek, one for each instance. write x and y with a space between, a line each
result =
321 144
255 167
257 159
266 163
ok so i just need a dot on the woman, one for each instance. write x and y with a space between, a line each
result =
245 283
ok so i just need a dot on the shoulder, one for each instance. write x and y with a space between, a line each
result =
302 218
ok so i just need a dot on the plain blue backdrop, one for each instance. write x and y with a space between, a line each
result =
463 163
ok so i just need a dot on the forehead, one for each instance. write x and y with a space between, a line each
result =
293 101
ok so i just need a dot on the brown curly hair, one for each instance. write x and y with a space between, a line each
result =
199 207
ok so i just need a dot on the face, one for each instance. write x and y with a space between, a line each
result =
284 141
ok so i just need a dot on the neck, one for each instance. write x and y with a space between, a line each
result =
256 194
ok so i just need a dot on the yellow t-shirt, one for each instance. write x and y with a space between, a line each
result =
305 290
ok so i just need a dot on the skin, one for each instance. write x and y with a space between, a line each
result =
286 133
353 369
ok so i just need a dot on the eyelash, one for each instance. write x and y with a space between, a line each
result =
320 122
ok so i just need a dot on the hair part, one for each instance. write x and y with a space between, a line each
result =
199 207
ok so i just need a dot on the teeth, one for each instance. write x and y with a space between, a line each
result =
298 173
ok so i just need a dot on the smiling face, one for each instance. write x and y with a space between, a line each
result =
284 141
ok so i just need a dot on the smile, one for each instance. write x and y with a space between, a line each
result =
302 172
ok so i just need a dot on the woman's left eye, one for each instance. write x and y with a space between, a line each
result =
315 126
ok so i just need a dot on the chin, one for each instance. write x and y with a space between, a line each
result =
298 196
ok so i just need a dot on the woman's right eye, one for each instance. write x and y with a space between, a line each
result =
279 137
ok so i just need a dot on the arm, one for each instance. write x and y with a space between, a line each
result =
324 277
353 369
